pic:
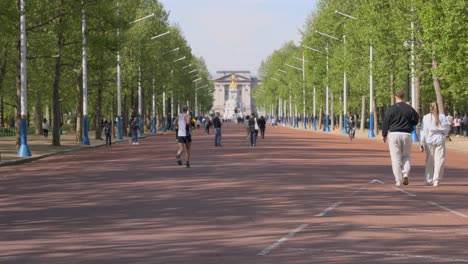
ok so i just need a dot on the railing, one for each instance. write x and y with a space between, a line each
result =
11 131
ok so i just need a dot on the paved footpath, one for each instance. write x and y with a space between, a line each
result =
298 197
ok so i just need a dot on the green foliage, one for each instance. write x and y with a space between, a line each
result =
439 33
109 30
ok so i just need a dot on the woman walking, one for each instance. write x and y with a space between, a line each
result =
434 130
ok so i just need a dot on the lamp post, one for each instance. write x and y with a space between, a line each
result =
119 86
345 100
314 110
85 140
303 89
140 99
164 129
24 149
327 113
172 95
371 84
153 122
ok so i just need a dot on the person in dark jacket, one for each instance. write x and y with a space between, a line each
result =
253 125
217 126
400 120
108 131
261 124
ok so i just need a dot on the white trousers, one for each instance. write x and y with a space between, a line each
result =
399 145
435 162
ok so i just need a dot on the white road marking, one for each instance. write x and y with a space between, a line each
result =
329 209
268 249
383 253
448 209
359 190
375 180
403 191
417 230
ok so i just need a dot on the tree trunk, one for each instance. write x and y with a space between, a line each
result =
38 114
392 85
124 117
3 63
320 118
1 108
435 78
376 117
332 113
363 113
56 86
98 111
79 107
417 102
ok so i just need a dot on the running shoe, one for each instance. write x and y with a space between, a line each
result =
187 164
179 161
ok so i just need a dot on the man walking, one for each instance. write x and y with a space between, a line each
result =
217 125
261 124
184 138
398 124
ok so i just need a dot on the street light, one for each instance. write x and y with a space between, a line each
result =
314 118
162 34
371 83
303 90
172 95
85 140
290 100
24 149
327 114
345 98
140 98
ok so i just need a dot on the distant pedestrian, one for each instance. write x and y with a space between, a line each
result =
184 122
108 131
217 126
399 122
273 121
247 126
434 129
45 128
261 124
450 121
351 127
456 125
253 125
465 123
207 124
134 126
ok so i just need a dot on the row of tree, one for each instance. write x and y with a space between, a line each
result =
440 38
55 70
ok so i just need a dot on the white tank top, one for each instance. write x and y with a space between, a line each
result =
182 126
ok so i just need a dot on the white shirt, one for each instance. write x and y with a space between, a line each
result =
45 126
182 125
432 134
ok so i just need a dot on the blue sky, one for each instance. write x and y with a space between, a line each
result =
238 34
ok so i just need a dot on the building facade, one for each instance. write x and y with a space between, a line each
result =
245 84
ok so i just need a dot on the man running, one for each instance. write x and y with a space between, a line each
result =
184 136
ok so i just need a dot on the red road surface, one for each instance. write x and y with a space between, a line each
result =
298 197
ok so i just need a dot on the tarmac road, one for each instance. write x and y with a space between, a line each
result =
298 197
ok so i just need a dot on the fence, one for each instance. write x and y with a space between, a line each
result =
11 131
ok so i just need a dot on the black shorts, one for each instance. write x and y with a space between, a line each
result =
185 140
